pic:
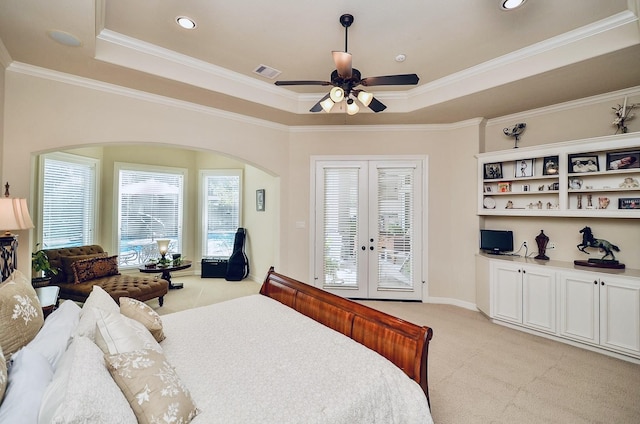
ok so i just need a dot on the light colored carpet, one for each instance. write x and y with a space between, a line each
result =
481 372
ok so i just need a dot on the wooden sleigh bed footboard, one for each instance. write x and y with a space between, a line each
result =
403 343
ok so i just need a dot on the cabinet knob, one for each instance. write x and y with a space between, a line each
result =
519 270
364 248
602 283
595 282
524 271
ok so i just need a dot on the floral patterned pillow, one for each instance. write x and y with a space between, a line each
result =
144 314
152 387
20 313
92 268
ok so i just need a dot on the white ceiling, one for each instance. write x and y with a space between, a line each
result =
473 59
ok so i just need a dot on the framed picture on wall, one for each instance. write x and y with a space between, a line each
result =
260 200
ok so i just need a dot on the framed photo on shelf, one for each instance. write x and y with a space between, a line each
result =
504 187
492 170
629 203
523 168
260 200
550 165
583 163
623 160
487 189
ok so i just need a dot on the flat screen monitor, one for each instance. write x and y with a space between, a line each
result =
496 241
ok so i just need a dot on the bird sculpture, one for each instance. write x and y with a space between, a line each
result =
515 132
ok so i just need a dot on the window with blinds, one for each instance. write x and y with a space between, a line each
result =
68 201
395 223
340 214
150 207
221 210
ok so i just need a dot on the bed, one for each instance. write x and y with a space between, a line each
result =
291 354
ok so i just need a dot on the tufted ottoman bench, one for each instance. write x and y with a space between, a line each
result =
135 286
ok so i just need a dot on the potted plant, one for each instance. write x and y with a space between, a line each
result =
40 263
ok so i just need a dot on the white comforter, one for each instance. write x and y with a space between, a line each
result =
254 360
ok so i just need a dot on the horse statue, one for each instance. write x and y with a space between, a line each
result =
588 240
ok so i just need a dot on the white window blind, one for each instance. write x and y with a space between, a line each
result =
221 210
395 223
68 200
340 226
150 208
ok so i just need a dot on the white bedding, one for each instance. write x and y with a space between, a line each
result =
254 360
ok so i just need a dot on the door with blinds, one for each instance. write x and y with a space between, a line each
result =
368 228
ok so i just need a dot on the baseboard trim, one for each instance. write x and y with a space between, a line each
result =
450 301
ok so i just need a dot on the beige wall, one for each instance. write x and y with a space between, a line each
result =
45 115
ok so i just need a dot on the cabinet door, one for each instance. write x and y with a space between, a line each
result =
506 292
539 299
620 314
579 307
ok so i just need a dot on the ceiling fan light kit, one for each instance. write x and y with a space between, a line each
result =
345 79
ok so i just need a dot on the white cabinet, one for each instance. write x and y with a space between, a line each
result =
600 309
523 295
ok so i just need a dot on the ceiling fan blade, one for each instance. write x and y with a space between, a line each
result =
303 82
318 107
343 63
404 79
376 105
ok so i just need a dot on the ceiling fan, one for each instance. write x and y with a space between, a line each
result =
345 79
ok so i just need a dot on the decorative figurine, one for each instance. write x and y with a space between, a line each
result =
515 132
541 241
579 201
588 240
623 114
629 182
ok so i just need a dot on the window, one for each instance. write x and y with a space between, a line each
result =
68 200
150 205
221 210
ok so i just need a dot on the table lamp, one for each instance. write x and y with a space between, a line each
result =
14 215
163 248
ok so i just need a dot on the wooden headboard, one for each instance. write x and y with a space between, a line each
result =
403 343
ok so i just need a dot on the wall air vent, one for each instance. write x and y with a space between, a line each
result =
267 72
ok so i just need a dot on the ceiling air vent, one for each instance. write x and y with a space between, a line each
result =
267 72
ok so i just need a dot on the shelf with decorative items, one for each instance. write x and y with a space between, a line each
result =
598 177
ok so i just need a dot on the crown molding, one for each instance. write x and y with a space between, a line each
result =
598 38
61 77
573 104
475 122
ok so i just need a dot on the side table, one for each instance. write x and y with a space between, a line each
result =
48 297
166 272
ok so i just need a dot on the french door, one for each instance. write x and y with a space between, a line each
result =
368 228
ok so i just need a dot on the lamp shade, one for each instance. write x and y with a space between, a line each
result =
327 104
365 98
336 94
14 215
163 246
352 107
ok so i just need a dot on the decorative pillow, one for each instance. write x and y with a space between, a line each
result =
152 387
68 261
53 339
82 390
144 314
3 375
115 333
92 268
20 313
98 299
29 376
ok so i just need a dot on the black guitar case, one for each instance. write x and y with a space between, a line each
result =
238 266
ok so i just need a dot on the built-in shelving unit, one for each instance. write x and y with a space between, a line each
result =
597 177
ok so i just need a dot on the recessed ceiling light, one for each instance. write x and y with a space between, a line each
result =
64 38
401 58
511 4
186 23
